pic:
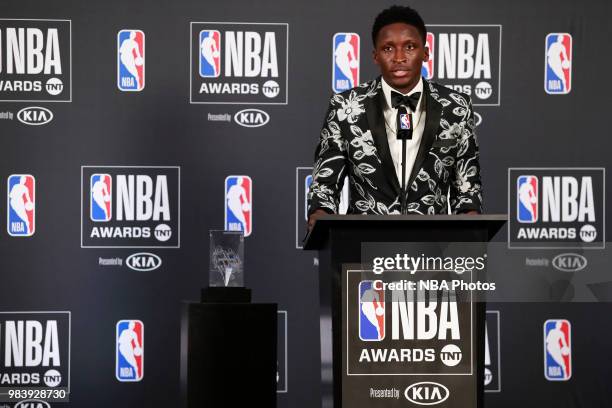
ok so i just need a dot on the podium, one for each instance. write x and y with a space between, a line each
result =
340 241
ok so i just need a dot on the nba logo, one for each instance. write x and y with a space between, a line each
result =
527 199
100 197
210 53
558 63
557 350
307 183
130 60
239 204
371 312
428 69
21 220
404 121
345 61
129 356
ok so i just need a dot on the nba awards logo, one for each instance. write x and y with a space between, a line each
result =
556 208
21 198
130 60
129 355
35 60
345 74
558 64
428 66
466 58
35 351
557 350
130 207
239 63
371 312
239 204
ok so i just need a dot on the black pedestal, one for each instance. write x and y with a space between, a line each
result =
228 355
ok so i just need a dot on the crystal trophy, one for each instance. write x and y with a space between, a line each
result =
226 259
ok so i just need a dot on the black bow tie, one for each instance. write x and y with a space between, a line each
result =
397 99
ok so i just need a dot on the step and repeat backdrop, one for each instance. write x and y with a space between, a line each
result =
129 129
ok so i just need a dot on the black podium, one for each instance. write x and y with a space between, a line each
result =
340 241
228 354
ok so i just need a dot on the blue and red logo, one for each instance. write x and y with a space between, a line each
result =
21 200
371 312
130 60
558 63
557 350
307 183
345 62
527 199
239 204
405 121
428 66
210 53
100 197
129 366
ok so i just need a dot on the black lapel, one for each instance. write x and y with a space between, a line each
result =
433 112
376 121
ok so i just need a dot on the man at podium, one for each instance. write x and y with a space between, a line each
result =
406 143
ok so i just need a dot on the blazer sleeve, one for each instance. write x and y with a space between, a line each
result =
330 165
466 186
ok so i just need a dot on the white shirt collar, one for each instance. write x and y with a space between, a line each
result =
387 91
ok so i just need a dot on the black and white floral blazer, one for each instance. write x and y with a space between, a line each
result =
353 142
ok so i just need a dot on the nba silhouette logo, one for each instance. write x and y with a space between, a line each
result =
558 63
129 355
21 208
404 121
210 53
130 60
307 183
345 61
100 197
371 312
557 350
428 68
239 204
527 199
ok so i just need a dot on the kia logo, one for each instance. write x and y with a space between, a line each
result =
35 115
32 404
251 118
569 262
143 261
426 393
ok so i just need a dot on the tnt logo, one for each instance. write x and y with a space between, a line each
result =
405 121
101 199
345 73
558 64
239 204
527 199
210 53
428 66
371 312
21 205
557 350
129 363
130 60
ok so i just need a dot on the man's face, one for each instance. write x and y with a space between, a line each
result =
400 53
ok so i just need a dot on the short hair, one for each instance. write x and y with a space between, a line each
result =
398 14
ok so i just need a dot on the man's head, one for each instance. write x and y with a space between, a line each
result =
399 36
